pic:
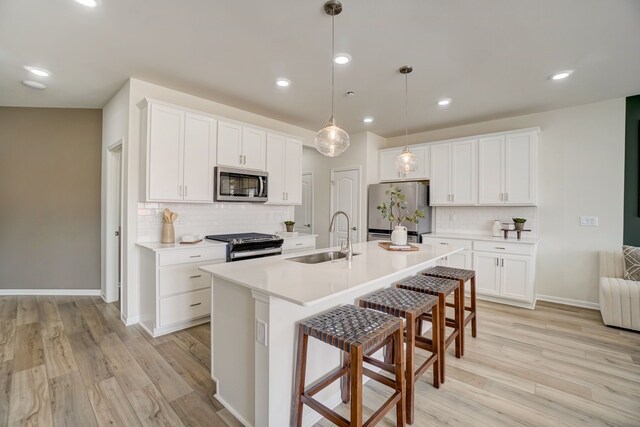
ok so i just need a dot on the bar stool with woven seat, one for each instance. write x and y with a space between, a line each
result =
463 276
356 331
411 306
441 288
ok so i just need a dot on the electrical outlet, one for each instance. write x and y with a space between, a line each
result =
261 332
589 221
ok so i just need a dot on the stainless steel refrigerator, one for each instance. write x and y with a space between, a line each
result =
417 197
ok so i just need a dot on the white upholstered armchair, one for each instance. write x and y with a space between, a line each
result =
619 298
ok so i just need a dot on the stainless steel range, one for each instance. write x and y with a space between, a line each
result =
241 246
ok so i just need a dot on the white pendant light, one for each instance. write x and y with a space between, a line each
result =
332 140
406 161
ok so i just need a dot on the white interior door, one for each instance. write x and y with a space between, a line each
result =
113 257
345 196
304 211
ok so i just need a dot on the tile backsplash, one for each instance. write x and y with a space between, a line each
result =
479 219
215 218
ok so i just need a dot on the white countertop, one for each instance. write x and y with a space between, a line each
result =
309 284
157 246
487 238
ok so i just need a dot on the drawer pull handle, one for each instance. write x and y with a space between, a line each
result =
195 256
195 277
498 247
298 244
443 243
198 303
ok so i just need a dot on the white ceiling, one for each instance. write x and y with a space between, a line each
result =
492 57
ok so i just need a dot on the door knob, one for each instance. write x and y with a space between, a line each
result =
307 225
353 228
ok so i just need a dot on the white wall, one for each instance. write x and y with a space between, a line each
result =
136 90
581 158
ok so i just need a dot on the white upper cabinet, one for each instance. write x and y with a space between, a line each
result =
179 154
229 144
254 148
387 169
453 173
284 164
507 169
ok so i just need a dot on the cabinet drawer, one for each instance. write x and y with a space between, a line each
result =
510 248
180 256
183 307
298 244
458 243
176 279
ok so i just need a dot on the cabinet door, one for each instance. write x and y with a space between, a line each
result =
422 163
165 136
460 259
254 148
491 170
276 168
520 169
464 180
386 165
293 172
199 157
516 277
488 271
440 174
229 144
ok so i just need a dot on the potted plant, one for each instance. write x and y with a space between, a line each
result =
396 212
519 223
289 225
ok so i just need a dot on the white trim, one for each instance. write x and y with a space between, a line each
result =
46 292
567 301
133 321
232 411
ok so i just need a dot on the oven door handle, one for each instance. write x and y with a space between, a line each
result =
247 254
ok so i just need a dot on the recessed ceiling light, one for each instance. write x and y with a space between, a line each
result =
444 102
89 3
561 75
368 119
40 72
33 85
283 82
342 58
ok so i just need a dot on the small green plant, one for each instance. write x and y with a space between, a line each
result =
519 220
289 223
396 210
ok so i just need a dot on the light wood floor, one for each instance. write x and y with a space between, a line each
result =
70 362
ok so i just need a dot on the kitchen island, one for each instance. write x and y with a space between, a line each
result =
256 305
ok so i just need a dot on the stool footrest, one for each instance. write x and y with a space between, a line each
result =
379 364
326 380
380 413
325 412
379 377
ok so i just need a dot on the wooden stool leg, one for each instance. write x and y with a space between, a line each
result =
410 377
442 309
456 310
474 325
300 372
435 343
355 373
419 331
398 344
462 316
344 380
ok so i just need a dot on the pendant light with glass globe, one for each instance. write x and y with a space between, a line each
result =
406 161
332 140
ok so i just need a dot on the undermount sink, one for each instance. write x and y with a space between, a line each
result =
319 257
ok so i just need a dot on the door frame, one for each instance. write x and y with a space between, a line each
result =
331 204
109 290
313 201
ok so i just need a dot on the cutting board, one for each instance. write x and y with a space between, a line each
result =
387 246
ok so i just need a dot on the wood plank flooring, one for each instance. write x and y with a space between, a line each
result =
68 361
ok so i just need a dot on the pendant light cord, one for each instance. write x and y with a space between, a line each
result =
406 111
333 68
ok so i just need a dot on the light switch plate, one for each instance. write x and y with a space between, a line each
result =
261 332
589 221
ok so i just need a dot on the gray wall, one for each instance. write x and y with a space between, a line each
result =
50 198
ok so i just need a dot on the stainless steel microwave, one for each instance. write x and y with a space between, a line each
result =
240 185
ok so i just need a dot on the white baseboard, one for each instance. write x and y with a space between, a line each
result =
567 301
232 411
132 321
48 292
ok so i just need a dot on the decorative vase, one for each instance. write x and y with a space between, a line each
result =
168 233
399 235
289 227
496 229
519 226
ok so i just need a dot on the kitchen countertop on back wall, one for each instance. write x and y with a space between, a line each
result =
532 240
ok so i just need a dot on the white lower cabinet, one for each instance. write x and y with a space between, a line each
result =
174 293
505 270
298 244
